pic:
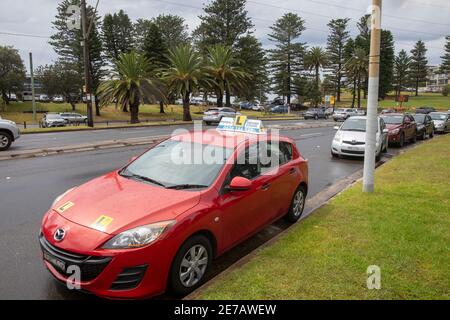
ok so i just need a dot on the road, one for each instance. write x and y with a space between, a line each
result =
28 187
58 139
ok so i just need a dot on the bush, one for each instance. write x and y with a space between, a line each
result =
446 91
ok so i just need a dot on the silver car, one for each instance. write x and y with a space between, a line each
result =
51 120
344 114
9 132
215 115
72 117
350 138
441 121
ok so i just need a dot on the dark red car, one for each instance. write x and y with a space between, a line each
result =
402 128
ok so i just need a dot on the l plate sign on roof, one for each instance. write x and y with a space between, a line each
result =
241 124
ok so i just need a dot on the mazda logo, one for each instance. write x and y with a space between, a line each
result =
59 234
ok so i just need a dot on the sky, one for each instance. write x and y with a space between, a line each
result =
409 20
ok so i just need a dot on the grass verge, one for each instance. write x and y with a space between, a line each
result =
403 228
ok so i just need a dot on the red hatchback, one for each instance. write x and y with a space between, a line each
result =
402 128
157 223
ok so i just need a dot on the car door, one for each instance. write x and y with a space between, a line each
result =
244 212
384 136
408 127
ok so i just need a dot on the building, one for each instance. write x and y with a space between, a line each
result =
436 79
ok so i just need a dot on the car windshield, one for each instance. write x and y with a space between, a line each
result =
175 164
393 119
354 125
438 116
53 116
420 118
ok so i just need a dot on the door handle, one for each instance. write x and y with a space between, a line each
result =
265 187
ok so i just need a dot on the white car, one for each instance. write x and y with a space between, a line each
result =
58 99
215 115
258 107
350 138
344 114
9 132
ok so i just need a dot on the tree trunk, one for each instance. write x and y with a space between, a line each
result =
354 93
161 107
97 106
134 109
227 99
5 97
124 107
359 91
219 99
186 109
417 87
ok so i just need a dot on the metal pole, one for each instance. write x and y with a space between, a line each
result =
33 99
372 101
87 74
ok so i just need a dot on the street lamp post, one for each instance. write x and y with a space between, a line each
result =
372 100
87 73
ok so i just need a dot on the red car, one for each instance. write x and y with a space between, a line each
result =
157 223
402 128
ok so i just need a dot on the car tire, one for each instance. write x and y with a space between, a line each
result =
378 156
401 143
202 247
431 135
424 136
297 205
316 117
334 155
207 123
414 138
5 141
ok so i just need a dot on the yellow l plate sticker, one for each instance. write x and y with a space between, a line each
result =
240 121
102 223
65 207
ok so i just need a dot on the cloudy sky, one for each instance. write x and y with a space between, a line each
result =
409 20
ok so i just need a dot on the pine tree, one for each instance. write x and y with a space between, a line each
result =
155 48
173 28
287 57
337 39
419 64
401 71
445 67
387 56
116 31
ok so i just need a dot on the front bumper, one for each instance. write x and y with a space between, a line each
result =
339 117
439 129
349 150
395 138
211 119
127 274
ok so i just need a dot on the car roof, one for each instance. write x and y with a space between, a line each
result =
222 138
393 114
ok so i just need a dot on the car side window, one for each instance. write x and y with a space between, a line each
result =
247 164
286 152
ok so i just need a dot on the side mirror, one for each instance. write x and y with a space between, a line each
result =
336 128
385 131
240 184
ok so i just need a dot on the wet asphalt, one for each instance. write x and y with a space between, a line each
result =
28 187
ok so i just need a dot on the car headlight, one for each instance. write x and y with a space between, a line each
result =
440 125
138 237
420 126
337 137
61 196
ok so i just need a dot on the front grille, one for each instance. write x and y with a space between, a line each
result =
353 152
90 266
354 143
129 278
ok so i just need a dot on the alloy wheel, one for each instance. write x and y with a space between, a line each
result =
193 266
4 141
298 204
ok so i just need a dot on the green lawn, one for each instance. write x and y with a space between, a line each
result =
404 228
15 112
424 99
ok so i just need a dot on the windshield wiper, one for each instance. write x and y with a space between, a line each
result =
187 186
142 178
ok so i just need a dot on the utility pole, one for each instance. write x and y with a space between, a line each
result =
87 74
33 98
372 100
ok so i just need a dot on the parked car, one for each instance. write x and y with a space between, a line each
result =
215 115
246 105
350 138
51 120
441 122
388 111
297 107
425 126
58 99
159 222
9 132
44 98
315 113
280 109
344 114
72 117
12 97
425 110
329 112
402 128
361 112
258 107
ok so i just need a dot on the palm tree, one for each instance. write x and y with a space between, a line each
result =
357 68
185 75
224 68
132 81
315 59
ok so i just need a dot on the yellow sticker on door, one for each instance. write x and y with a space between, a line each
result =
66 206
102 223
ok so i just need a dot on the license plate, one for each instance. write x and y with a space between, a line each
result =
60 265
